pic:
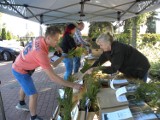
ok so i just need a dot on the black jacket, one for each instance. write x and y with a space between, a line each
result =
68 43
125 59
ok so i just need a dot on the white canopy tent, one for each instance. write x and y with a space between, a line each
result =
63 11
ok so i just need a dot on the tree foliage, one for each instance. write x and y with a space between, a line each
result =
128 26
9 37
151 22
149 38
128 29
123 37
0 23
29 34
132 27
4 35
96 28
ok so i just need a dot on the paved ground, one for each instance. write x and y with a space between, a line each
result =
47 100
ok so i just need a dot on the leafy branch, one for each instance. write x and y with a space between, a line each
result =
76 52
65 103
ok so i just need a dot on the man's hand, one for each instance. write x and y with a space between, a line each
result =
89 71
78 75
58 49
78 86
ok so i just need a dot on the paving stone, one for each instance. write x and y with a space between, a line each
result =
47 99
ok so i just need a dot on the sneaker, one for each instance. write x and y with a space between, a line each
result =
37 118
22 107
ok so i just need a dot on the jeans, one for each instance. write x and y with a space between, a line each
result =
69 67
145 77
76 64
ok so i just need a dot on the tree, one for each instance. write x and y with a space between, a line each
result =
128 29
0 24
9 37
29 34
4 35
136 22
151 22
132 27
96 28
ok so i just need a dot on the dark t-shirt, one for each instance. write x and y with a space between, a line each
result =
68 43
124 58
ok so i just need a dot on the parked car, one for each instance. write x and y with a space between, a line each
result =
9 53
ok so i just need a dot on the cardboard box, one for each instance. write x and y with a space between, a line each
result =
81 115
107 99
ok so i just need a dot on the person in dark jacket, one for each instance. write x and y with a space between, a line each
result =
67 45
124 58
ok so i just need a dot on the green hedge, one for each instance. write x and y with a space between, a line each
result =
155 70
123 37
149 38
146 39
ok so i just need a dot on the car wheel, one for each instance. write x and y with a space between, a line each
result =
6 56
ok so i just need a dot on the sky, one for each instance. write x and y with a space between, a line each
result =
19 26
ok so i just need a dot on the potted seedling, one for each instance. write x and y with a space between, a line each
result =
88 104
149 93
65 102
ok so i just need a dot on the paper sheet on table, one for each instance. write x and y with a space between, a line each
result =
122 81
116 82
54 58
119 96
112 85
117 115
122 98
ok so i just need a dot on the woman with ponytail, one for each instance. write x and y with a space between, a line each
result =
67 45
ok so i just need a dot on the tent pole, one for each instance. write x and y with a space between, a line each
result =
41 22
40 30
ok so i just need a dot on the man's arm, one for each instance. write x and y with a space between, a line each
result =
102 59
55 78
79 39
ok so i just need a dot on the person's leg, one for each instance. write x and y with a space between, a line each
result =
69 67
33 104
22 105
77 64
28 88
21 95
145 78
